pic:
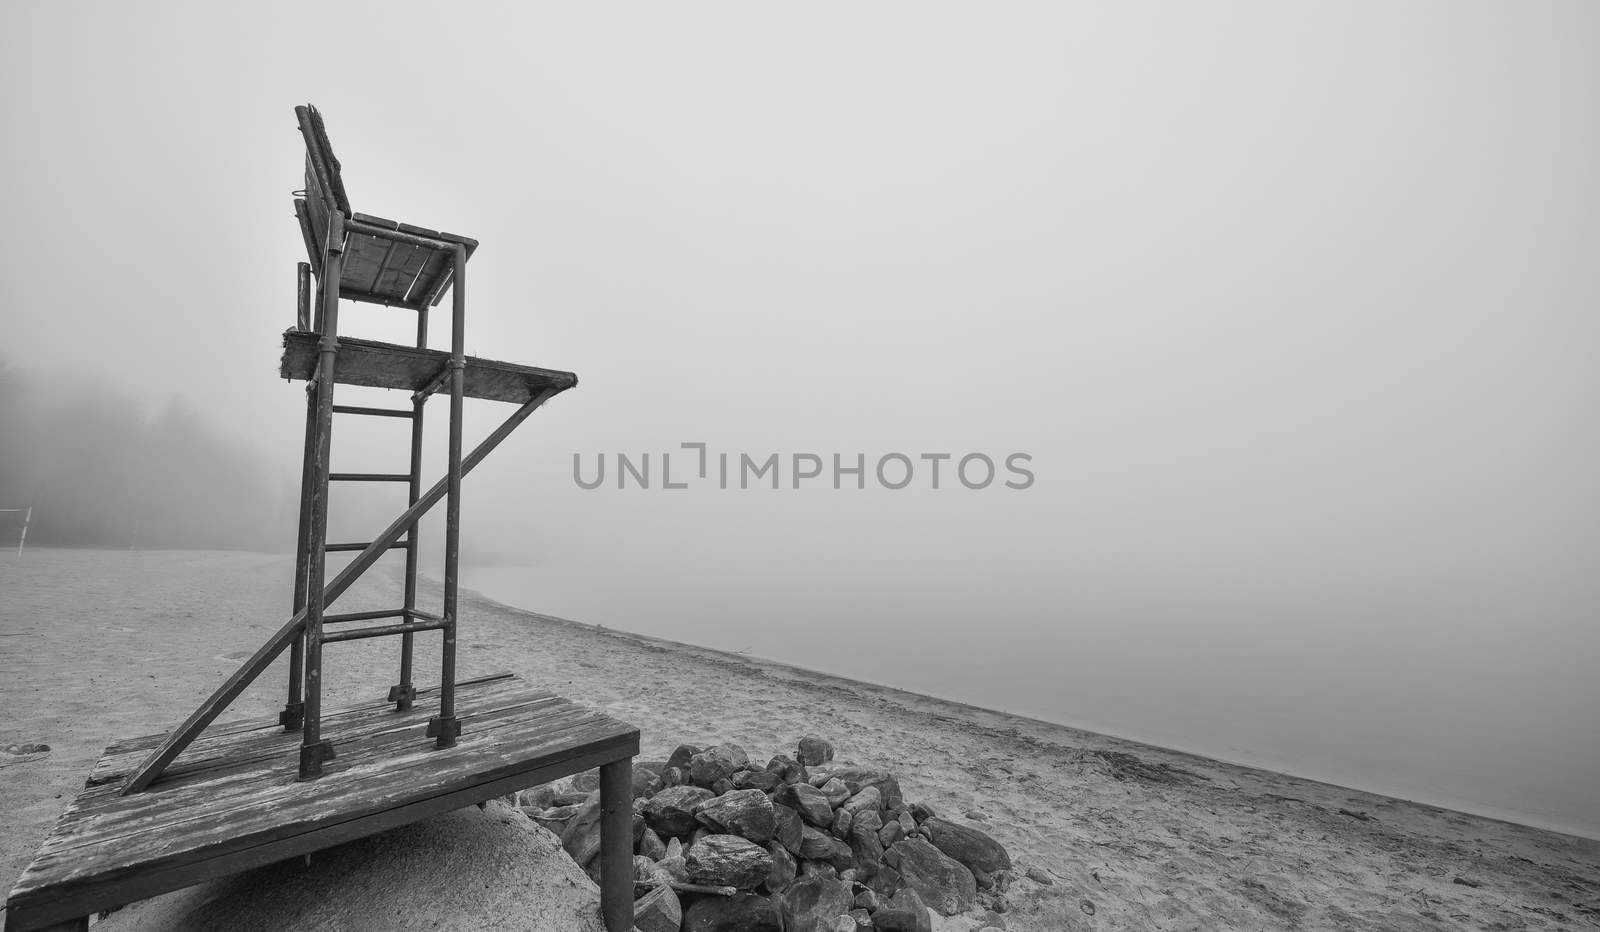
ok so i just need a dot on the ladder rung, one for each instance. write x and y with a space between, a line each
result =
425 616
382 631
372 412
336 548
364 616
369 477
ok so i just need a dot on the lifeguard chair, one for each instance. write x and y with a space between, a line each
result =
166 811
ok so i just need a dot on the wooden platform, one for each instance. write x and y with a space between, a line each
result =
389 365
231 801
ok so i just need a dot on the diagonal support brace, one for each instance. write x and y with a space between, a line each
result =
235 684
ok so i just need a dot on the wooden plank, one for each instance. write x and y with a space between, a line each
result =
522 716
98 818
47 906
284 808
399 271
409 368
125 749
364 259
214 746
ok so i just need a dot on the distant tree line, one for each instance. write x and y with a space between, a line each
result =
99 475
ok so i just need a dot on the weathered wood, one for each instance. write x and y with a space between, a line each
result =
99 815
410 627
370 476
245 809
683 888
225 739
388 365
373 412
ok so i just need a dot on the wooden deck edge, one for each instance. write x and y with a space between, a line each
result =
38 910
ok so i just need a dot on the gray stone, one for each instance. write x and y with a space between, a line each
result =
943 882
789 827
674 867
728 861
581 835
764 780
646 782
787 768
814 751
886 882
658 911
841 824
869 799
891 833
643 869
671 811
742 912
809 802
718 762
835 791
747 813
859 778
865 846
817 845
900 919
909 898
812 904
784 867
1040 875
681 755
977 850
539 797
651 846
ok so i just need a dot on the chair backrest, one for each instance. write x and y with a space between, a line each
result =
324 179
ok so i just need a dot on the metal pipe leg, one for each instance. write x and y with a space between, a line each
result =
445 727
314 750
616 845
293 716
404 694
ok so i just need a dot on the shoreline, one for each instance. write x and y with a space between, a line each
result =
1443 804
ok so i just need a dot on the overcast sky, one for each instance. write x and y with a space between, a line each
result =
1292 305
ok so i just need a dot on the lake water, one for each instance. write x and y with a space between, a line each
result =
1464 715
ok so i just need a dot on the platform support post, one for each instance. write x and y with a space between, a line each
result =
444 727
314 750
616 845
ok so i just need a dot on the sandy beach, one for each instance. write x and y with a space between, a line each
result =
102 645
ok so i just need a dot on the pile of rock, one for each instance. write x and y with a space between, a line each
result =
801 844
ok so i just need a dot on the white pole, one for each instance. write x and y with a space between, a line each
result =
24 539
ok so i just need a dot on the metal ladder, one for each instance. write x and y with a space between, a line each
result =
302 709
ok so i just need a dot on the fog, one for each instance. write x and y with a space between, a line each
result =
1290 306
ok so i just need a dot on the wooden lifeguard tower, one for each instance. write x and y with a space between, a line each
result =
166 811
